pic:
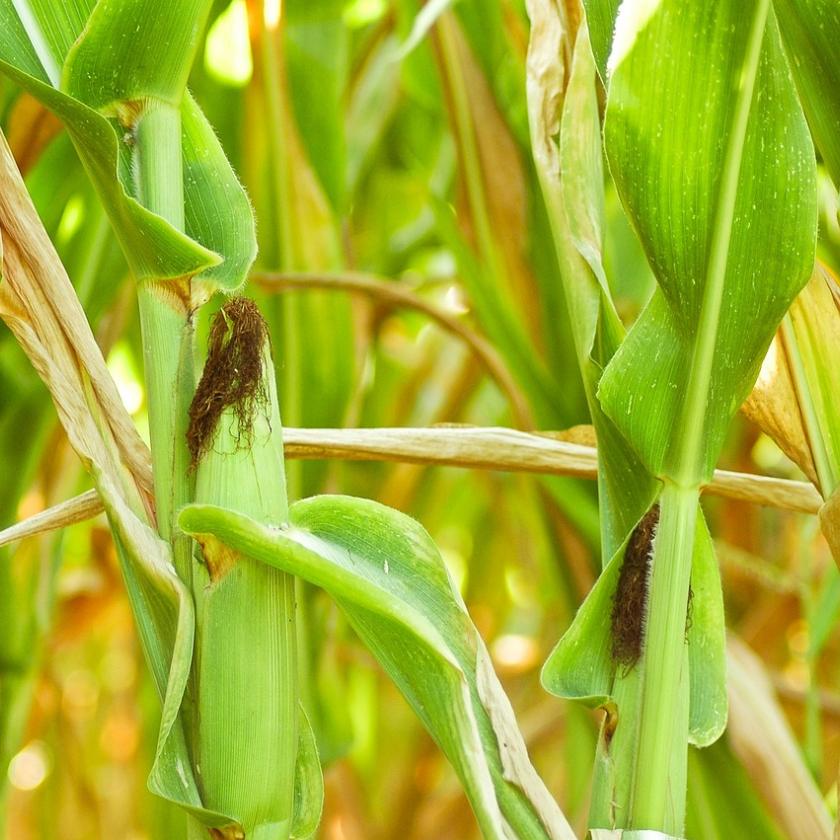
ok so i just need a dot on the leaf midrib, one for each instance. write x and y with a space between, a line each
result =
689 468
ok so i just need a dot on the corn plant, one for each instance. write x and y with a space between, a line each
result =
692 178
708 129
219 627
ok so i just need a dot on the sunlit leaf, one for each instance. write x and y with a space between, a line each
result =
810 29
389 579
683 187
97 84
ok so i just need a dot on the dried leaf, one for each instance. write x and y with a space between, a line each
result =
773 407
494 448
40 305
830 524
762 740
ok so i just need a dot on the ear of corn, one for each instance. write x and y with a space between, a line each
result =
246 746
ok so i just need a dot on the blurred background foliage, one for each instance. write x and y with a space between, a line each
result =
376 142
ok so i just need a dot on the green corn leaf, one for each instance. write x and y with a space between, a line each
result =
810 30
725 210
90 86
580 667
217 212
600 16
309 783
152 246
387 575
152 47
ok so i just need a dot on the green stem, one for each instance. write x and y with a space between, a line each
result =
167 329
159 172
658 798
658 802
168 338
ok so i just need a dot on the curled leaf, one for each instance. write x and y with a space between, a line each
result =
388 577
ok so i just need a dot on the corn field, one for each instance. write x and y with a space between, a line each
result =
419 420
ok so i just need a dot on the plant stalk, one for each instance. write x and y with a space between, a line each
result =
658 792
167 329
658 801
168 364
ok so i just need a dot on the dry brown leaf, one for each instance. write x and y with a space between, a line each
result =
773 407
546 78
815 326
30 128
476 448
762 740
40 306
78 509
830 524
774 404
